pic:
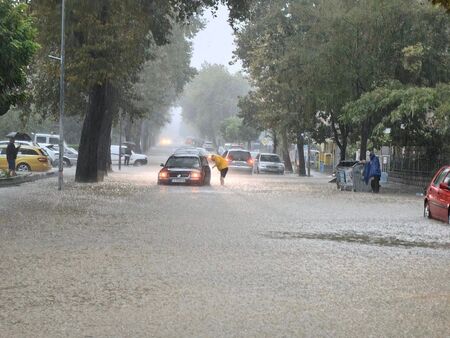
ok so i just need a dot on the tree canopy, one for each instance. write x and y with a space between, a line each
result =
17 47
211 98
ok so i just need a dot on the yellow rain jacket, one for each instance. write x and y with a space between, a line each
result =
220 162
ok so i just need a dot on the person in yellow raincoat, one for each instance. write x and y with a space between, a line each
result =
222 166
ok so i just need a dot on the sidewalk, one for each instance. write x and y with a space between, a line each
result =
25 177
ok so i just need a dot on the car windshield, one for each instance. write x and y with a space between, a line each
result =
239 155
183 162
270 158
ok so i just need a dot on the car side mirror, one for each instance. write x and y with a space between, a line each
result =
161 165
444 186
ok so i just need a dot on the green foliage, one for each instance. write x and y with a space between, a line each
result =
443 3
211 98
234 130
17 47
308 60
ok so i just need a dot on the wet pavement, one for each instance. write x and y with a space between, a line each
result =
264 256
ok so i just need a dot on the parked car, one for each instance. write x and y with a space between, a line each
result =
185 168
239 160
437 199
209 147
269 163
135 158
29 158
70 156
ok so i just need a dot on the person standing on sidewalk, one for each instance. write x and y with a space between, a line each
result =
127 155
372 173
222 166
11 155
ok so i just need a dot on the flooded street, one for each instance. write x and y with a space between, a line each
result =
263 256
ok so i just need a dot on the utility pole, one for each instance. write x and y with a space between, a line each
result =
61 101
309 154
120 139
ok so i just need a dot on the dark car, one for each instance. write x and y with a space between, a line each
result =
437 199
185 168
239 160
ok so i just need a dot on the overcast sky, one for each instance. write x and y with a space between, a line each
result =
215 43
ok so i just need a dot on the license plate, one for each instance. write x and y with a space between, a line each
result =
178 180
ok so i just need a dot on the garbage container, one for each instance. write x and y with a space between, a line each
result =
344 178
358 179
344 174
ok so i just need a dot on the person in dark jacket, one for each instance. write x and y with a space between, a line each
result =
127 155
372 170
11 155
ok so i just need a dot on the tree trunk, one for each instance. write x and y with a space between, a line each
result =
104 146
301 154
343 135
145 136
136 137
285 151
87 165
364 140
275 141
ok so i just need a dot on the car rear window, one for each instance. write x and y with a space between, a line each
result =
238 155
270 158
25 151
183 162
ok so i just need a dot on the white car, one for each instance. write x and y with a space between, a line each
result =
70 156
269 163
135 159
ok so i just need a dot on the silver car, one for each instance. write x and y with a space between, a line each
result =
269 163
239 161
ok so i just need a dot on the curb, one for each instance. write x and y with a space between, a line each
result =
30 177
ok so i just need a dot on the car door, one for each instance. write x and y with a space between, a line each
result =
206 169
443 198
3 162
436 207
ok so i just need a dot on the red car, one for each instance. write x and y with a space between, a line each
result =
437 198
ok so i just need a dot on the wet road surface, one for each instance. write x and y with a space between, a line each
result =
264 256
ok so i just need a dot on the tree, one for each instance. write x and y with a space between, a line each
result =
17 47
233 129
211 98
107 43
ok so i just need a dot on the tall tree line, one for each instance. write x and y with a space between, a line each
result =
309 60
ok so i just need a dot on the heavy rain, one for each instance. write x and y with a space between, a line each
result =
259 169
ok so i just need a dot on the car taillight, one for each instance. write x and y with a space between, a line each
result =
228 160
250 161
42 159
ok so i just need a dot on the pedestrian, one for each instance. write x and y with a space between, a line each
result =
127 155
222 166
372 172
11 155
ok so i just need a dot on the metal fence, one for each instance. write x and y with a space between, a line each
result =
415 169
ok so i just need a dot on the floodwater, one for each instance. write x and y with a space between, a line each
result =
264 256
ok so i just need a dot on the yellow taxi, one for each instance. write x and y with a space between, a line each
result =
29 158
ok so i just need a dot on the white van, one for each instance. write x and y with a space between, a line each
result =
46 138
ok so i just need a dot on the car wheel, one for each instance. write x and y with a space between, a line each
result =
66 163
426 210
23 167
137 163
